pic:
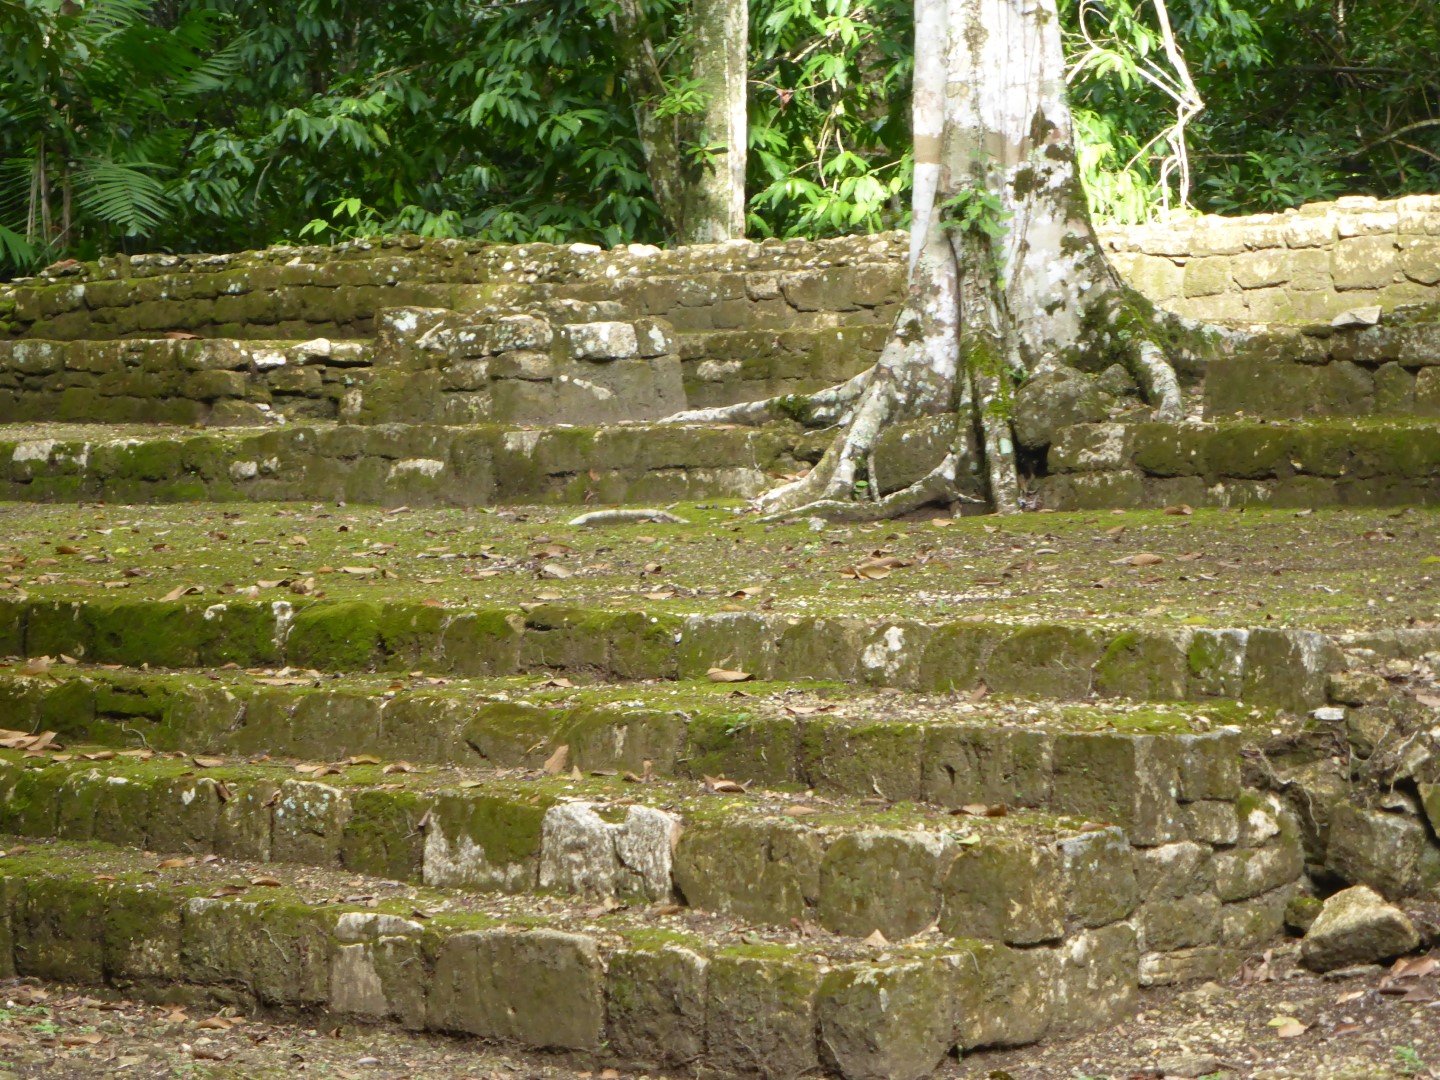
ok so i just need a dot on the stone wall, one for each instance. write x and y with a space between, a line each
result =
1304 265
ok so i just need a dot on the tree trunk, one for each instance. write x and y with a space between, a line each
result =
716 209
695 160
1007 282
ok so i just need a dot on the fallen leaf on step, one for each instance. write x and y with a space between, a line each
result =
556 762
877 939
1144 558
727 675
179 591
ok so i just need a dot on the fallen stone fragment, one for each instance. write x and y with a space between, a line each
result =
1356 926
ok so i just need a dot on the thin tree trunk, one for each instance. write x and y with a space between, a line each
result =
717 199
695 163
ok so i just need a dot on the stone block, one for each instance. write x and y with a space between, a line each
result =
184 812
1211 821
1288 668
891 1022
1394 390
1129 780
1364 262
1209 766
540 988
1420 260
1257 269
771 876
655 1005
909 864
1004 890
1100 883
1098 983
600 341
980 764
1166 924
142 936
761 1016
1207 277
309 823
1376 848
1357 927
1247 872
1172 871
482 842
1309 232
1253 924
1203 963
1158 278
58 929
1005 997
581 852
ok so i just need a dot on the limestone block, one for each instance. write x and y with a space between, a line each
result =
1257 269
243 828
1172 871
1246 872
479 842
655 1005
654 337
1129 780
911 864
1004 890
1091 448
1047 661
541 988
1207 276
1005 996
1147 666
1100 882
1253 924
1365 262
1205 962
309 823
600 341
376 975
894 1022
1288 668
1166 924
581 852
1209 766
1309 231
1420 260
761 1016
831 289
1158 278
1376 848
1211 821
1371 223
772 876
965 765
209 385
1098 983
58 928
1270 305
1214 236
1427 391
1310 269
183 815
1357 927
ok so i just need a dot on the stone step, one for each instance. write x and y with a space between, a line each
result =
1390 369
389 464
1383 461
1120 762
1288 668
653 987
309 291
217 382
767 857
723 367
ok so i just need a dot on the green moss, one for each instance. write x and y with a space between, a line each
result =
336 635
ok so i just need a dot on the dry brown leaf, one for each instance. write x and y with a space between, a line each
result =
556 571
799 810
359 571
727 675
208 762
877 939
555 764
722 786
266 882
1179 510
398 767
179 591
1144 558
172 864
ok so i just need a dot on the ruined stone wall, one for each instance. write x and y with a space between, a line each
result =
1304 265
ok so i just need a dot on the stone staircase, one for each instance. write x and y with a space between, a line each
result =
716 796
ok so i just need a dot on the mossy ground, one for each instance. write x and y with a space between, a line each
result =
1327 569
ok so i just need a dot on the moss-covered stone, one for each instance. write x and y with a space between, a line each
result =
762 872
887 1022
1099 874
655 1006
331 636
1003 890
761 1016
911 863
541 988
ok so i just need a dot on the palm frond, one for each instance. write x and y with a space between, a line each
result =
122 194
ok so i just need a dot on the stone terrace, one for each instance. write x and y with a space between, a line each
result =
317 701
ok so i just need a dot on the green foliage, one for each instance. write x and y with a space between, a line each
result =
977 211
227 124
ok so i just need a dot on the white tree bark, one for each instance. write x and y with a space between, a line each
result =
722 43
1006 277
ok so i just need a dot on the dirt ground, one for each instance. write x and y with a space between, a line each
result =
1272 1022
